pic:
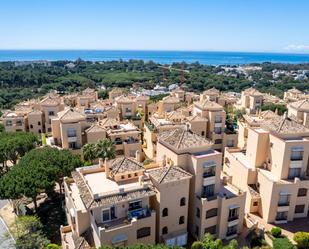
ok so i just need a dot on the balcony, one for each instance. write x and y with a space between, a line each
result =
232 218
72 139
283 204
139 213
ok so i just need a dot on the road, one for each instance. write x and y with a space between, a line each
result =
6 240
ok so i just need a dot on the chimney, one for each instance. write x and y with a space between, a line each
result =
106 165
138 156
164 160
101 162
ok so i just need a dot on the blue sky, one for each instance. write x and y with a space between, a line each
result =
219 25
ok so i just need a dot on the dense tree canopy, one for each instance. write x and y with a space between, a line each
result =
24 82
37 172
15 145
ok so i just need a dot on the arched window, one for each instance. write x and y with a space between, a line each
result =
181 220
183 201
164 230
165 212
197 212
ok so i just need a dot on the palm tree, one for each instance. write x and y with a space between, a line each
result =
90 152
105 149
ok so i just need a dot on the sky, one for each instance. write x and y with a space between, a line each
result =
197 25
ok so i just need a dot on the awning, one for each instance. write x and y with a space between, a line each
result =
119 238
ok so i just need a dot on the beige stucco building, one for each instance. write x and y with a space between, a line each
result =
251 100
273 169
300 111
215 206
109 204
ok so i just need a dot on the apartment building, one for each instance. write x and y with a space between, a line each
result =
216 207
216 131
250 121
109 204
251 100
50 106
293 95
168 104
68 128
15 121
273 169
86 98
300 111
152 128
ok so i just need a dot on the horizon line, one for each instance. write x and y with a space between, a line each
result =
158 50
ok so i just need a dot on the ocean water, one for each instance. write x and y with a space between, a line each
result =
164 57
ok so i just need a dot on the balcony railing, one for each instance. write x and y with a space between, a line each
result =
232 218
283 204
231 233
139 213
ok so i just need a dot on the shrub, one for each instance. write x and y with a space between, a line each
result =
302 240
197 245
276 232
282 243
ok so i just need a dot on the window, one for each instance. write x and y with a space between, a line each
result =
281 216
49 129
218 141
211 213
209 169
39 123
19 122
297 153
284 200
72 145
230 143
218 130
51 113
233 214
203 133
198 213
135 205
294 172
255 203
165 212
208 191
31 126
129 175
218 119
143 232
302 192
164 230
181 220
211 230
182 201
71 132
128 110
231 230
109 214
299 209
9 123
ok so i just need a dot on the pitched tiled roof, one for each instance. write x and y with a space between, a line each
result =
169 174
171 100
49 100
95 128
84 191
125 164
283 125
207 104
252 91
108 122
302 104
69 114
212 91
182 139
196 118
124 99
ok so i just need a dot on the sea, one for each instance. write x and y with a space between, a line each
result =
163 57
